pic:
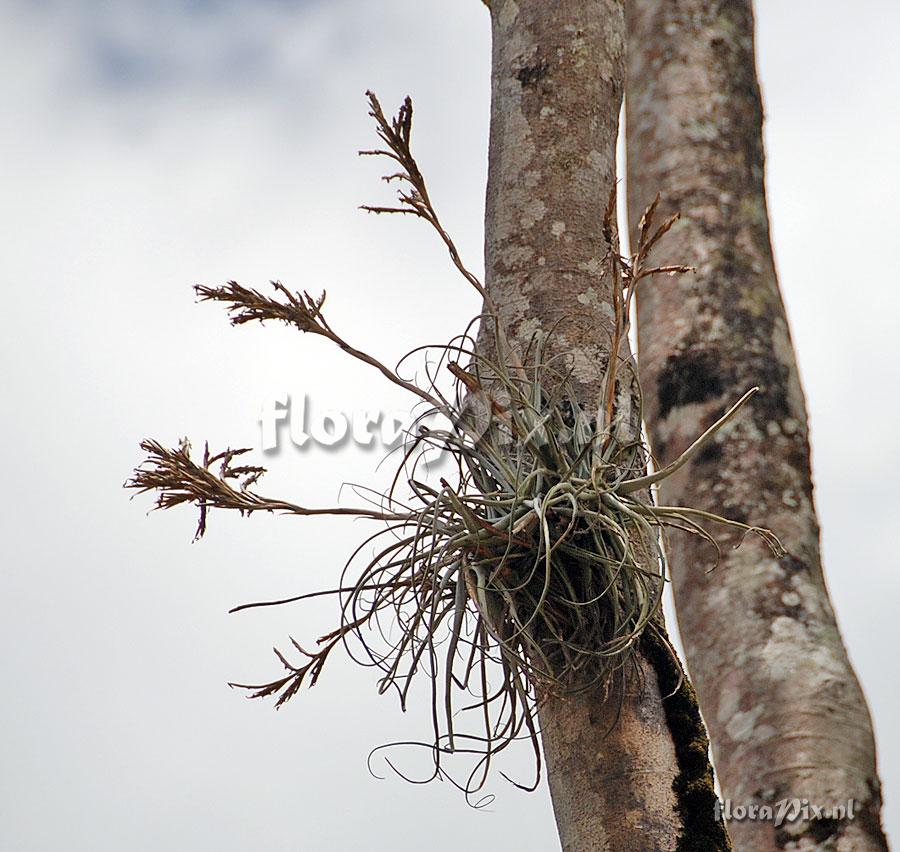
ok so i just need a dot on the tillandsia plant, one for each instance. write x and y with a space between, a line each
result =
534 570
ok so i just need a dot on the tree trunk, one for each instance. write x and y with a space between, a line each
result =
786 714
644 782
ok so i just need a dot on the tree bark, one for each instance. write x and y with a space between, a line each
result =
786 714
642 782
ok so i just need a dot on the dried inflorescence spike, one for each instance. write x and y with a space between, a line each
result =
298 309
177 478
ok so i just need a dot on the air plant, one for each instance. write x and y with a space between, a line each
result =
534 570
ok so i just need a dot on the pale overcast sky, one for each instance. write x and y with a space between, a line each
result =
148 145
